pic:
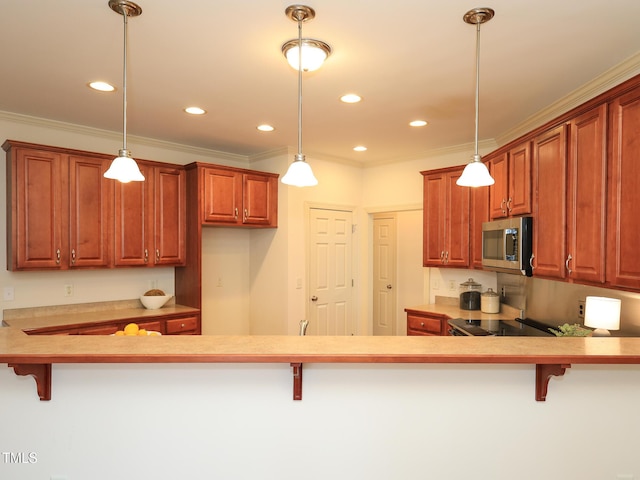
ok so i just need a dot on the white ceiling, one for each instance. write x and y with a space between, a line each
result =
408 59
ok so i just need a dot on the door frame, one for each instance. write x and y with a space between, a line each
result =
308 206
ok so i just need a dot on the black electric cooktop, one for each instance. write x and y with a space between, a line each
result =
518 327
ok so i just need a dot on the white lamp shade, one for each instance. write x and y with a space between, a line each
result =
602 313
475 174
312 57
299 174
124 169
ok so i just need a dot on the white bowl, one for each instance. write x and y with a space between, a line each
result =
153 302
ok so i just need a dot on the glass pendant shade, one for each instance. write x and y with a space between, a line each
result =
314 53
300 174
124 168
475 174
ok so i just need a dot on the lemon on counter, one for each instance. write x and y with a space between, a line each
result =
131 329
119 333
142 332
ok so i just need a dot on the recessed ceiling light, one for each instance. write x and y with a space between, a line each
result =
265 128
350 98
195 111
360 148
102 86
418 123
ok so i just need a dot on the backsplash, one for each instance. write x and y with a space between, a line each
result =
556 303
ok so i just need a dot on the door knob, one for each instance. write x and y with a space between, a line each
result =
389 287
314 299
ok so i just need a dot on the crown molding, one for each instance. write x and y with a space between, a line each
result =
609 79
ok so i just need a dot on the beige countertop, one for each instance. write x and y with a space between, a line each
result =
450 308
26 319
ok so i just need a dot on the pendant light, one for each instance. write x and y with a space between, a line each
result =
476 174
299 173
124 168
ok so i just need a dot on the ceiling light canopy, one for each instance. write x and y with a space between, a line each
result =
299 173
124 168
476 174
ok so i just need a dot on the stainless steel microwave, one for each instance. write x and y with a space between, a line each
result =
507 245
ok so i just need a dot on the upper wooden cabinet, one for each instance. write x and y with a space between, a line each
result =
511 193
623 254
236 197
549 180
61 208
445 219
150 218
586 196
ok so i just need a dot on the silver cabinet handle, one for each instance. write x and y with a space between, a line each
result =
235 216
531 261
446 257
246 214
314 299
442 256
73 256
58 256
146 255
157 255
566 263
509 202
502 205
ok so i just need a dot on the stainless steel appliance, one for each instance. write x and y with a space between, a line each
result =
518 327
507 244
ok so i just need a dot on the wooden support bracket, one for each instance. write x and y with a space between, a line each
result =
41 372
297 381
544 372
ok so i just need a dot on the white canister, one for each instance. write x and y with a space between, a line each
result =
490 302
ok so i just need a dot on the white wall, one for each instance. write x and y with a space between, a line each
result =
374 422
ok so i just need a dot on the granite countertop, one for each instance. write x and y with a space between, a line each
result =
26 319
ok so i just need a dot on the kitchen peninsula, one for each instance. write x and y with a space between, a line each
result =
35 355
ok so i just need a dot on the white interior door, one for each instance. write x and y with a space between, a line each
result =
384 275
330 273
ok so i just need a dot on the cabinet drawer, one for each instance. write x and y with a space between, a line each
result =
419 325
182 325
151 326
98 330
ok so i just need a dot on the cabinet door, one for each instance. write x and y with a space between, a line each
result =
519 198
259 199
499 191
170 215
586 196
90 213
479 213
133 225
550 178
38 210
457 222
623 254
222 194
433 218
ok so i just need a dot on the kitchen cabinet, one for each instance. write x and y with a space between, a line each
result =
550 207
61 208
479 213
586 196
510 195
150 217
236 197
623 254
172 324
445 219
426 323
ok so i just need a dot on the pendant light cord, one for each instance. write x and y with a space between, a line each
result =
300 89
477 84
124 86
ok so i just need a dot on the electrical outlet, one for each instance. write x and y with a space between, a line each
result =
220 282
68 290
452 285
8 294
436 285
580 308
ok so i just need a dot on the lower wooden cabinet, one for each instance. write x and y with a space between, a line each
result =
423 323
172 325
